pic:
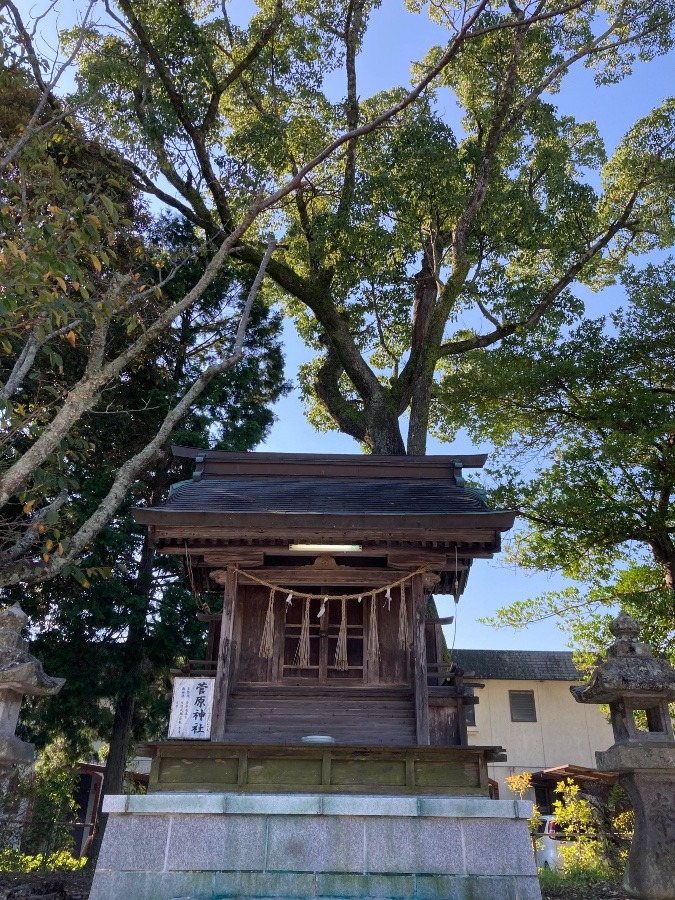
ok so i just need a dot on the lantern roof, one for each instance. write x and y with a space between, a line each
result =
630 670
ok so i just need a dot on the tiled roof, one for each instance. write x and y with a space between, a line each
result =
518 665
348 496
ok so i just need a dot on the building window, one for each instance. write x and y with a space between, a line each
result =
522 706
470 714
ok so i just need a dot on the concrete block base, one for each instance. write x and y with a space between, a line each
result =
208 846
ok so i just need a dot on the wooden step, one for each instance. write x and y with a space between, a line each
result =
326 708
371 716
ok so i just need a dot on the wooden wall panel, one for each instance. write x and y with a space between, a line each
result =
443 726
196 765
393 661
252 606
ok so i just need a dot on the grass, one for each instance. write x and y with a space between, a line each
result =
580 884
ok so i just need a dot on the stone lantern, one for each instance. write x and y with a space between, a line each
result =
638 688
20 674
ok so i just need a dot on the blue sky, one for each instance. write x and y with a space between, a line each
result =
395 39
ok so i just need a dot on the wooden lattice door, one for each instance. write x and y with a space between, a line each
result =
323 641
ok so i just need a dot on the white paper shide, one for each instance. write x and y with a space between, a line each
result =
191 709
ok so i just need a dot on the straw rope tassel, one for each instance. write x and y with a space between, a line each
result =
373 638
341 649
403 624
267 642
302 656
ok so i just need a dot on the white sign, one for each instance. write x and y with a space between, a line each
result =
191 709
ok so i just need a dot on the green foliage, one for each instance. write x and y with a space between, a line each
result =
117 635
415 242
519 785
584 852
51 784
585 882
622 825
65 228
596 838
37 811
67 238
63 200
573 813
86 279
59 861
594 409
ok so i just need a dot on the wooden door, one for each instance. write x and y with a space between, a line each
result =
323 640
355 641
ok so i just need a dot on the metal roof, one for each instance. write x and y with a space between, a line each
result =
328 496
518 665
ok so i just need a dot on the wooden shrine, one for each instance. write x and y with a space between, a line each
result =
319 750
326 566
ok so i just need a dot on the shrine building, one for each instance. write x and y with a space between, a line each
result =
325 676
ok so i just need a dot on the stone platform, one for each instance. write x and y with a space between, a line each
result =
233 845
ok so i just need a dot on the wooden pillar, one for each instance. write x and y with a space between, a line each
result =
224 660
420 661
461 709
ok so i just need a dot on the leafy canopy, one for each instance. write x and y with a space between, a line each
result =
585 426
413 242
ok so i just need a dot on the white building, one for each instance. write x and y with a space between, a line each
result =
525 706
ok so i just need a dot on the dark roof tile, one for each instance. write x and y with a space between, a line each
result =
347 496
518 665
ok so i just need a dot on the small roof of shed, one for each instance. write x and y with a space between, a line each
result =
518 665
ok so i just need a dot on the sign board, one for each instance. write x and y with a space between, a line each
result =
191 708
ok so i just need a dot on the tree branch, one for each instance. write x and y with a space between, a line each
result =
32 532
46 88
481 341
347 416
353 26
130 471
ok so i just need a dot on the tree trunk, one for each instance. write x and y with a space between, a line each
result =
663 552
669 573
115 767
383 431
420 409
426 296
375 423
131 659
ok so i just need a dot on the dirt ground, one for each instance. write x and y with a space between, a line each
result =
586 892
75 886
47 886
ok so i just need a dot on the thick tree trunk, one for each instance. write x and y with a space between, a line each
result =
663 552
383 431
374 423
420 410
424 342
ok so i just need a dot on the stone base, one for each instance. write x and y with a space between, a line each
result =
647 773
302 846
15 752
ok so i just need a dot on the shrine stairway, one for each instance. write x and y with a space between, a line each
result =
377 716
